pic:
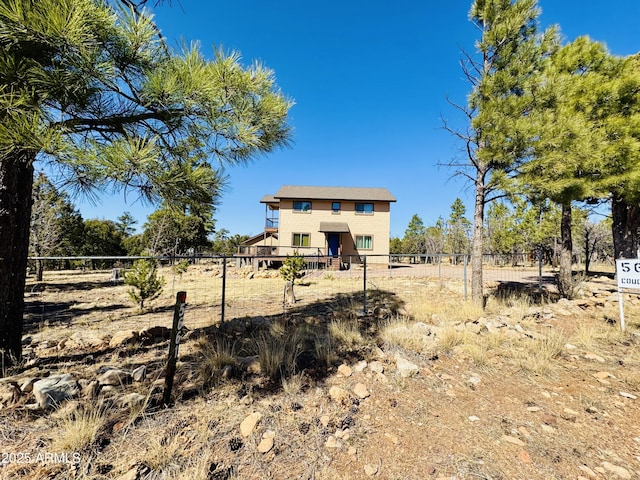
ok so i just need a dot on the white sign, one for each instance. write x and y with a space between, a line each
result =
628 273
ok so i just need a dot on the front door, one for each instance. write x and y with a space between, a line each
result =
333 242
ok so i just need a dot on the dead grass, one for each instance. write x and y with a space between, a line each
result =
539 355
77 430
518 384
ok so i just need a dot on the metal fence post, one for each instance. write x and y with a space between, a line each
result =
364 307
540 270
465 276
224 287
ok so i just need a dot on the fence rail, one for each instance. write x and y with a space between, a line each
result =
224 288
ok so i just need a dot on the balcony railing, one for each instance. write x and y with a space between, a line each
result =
257 250
271 223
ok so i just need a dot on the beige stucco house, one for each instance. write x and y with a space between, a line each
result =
340 224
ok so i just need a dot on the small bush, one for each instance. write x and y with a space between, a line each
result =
143 276
181 267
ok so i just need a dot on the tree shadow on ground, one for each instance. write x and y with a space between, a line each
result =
509 290
84 285
57 314
308 341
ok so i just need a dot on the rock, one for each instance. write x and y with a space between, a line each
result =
628 395
360 366
593 356
50 392
250 364
474 380
345 370
590 473
370 469
361 390
155 334
9 393
405 367
376 367
549 420
249 424
617 470
131 400
265 445
524 457
473 327
514 440
115 376
26 386
123 337
338 394
90 390
139 374
332 442
473 418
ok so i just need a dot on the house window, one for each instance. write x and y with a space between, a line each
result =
364 208
335 207
364 242
301 239
302 206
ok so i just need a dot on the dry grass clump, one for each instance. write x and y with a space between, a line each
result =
478 352
346 332
162 455
217 355
540 354
77 430
449 338
293 384
278 349
324 349
426 305
401 332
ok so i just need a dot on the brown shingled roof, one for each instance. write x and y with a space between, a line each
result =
334 193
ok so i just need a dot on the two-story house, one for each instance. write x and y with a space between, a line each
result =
337 223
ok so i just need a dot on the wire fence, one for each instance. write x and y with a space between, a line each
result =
238 288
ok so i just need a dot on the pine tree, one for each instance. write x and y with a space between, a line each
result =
509 55
96 91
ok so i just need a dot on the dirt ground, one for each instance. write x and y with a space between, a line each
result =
529 388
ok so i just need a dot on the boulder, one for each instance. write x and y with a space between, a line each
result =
115 376
123 337
50 392
139 374
405 367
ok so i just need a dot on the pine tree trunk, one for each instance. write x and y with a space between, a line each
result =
565 282
477 293
626 221
16 182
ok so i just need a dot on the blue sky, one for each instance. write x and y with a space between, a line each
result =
370 81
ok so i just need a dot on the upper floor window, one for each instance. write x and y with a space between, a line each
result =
335 207
366 208
302 206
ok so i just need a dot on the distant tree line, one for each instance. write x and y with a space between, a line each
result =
58 230
512 230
